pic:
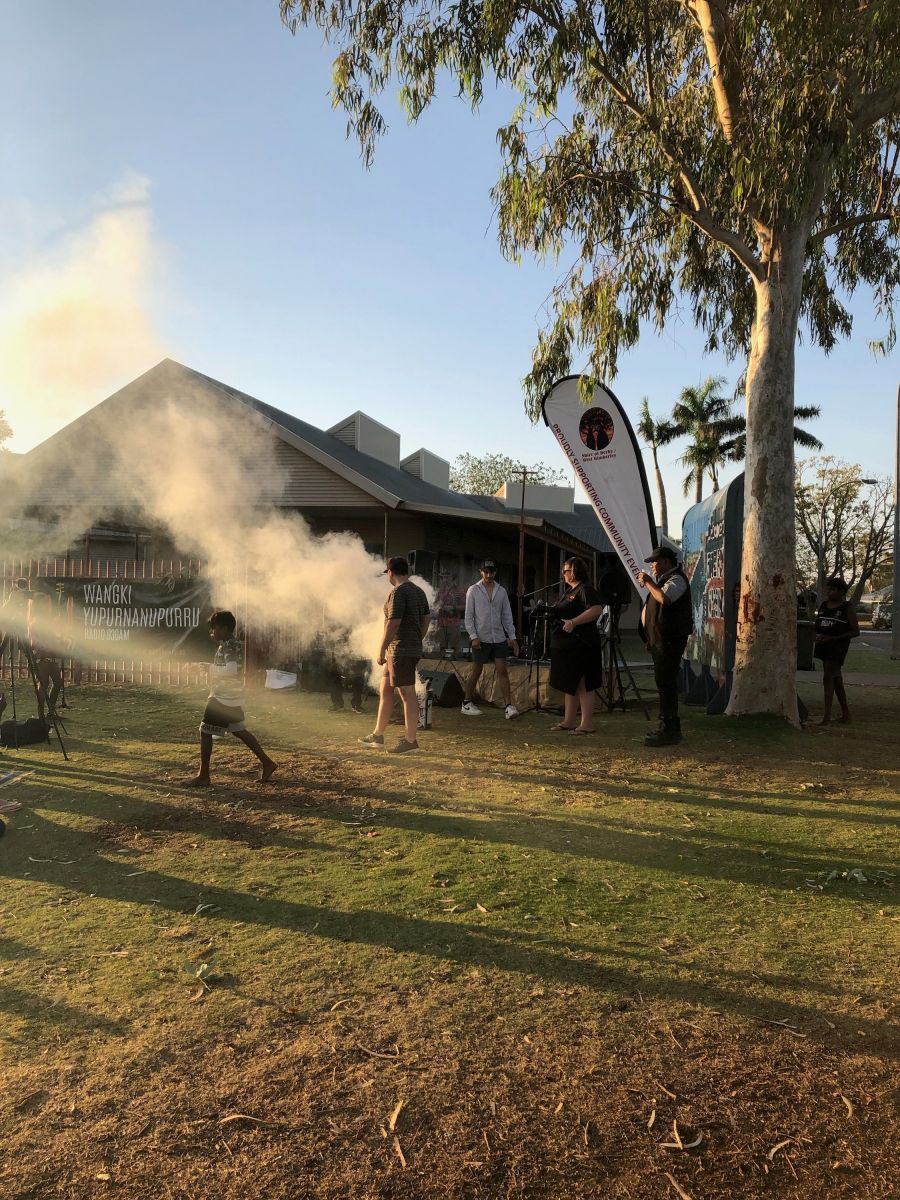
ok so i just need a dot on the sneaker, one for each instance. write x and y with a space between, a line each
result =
511 712
404 747
357 708
372 739
470 710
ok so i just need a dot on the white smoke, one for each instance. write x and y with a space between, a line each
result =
75 319
203 469
76 322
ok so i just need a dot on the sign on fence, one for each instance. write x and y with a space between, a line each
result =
164 617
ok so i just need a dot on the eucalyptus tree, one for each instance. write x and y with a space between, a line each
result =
845 523
655 434
741 156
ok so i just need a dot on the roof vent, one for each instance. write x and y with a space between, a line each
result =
428 467
368 436
537 495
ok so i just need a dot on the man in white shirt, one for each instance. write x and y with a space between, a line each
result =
489 624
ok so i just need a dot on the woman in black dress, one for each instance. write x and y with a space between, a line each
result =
576 662
836 624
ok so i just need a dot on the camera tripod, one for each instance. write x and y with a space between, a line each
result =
10 646
614 688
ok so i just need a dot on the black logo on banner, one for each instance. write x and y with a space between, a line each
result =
596 429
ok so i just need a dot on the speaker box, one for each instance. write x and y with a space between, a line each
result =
445 687
421 562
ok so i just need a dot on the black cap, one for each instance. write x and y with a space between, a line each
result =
397 564
487 564
662 552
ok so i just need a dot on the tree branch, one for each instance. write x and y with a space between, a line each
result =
851 223
651 96
712 20
868 110
700 213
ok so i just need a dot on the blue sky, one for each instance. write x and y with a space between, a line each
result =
181 167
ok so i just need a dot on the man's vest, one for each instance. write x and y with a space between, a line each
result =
669 623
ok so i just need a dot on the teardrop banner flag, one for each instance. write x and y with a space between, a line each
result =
600 444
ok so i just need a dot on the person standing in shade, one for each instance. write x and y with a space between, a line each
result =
489 624
666 623
836 626
406 619
576 655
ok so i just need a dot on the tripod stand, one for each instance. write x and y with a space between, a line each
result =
614 689
11 646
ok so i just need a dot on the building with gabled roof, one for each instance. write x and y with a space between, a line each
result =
350 476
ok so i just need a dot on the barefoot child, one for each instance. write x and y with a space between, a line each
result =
224 712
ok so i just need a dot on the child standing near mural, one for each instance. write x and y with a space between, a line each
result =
224 711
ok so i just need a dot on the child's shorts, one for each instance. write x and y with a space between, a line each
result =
219 719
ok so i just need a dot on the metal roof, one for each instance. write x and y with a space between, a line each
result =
411 492
388 485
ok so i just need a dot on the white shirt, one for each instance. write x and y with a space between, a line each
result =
488 614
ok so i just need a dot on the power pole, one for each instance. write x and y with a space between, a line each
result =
520 587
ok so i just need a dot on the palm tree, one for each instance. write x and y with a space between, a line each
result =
718 436
706 417
735 450
655 434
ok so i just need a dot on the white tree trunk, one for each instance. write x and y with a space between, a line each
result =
766 653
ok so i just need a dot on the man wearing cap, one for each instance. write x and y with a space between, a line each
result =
406 620
666 624
489 624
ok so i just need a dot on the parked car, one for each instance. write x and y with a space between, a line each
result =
883 615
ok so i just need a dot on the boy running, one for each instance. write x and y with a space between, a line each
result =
224 709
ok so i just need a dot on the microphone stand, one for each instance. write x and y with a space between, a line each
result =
537 639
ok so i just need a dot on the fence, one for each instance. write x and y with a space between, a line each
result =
178 670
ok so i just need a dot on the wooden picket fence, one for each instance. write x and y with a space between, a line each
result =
175 672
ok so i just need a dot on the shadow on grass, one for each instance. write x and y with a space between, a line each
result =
681 854
38 1012
203 816
651 792
10 948
608 971
773 848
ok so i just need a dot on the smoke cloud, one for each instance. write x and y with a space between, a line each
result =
76 318
191 462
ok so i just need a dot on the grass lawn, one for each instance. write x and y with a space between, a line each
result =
516 965
871 659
